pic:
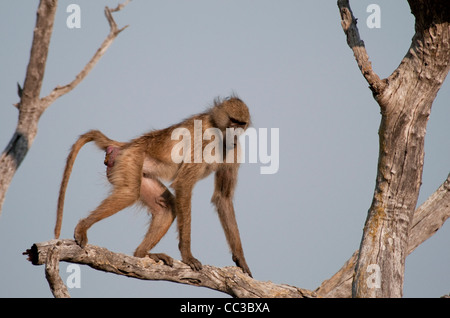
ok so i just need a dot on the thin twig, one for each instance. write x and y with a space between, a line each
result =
354 41
58 91
120 6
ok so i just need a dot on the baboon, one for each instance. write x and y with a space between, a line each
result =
135 169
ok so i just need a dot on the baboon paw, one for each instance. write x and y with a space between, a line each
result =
193 263
166 259
246 270
240 262
80 238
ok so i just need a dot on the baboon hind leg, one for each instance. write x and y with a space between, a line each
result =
125 177
160 202
116 202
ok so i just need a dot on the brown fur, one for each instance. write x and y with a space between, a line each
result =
135 169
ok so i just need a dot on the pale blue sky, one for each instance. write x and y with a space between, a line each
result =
289 61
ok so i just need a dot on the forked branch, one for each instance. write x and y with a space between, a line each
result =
114 31
428 219
348 22
229 280
31 106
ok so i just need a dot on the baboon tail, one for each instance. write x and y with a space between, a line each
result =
102 142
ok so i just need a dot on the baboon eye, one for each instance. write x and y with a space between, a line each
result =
236 122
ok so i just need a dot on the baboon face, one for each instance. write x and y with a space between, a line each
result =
231 113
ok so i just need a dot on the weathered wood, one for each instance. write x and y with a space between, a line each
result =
405 99
348 23
59 290
428 218
229 280
31 106
113 33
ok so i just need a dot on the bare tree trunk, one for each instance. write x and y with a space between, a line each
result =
405 100
390 233
31 106
428 219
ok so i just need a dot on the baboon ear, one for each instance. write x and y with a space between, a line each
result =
220 117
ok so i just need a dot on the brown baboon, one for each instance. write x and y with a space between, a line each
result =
135 169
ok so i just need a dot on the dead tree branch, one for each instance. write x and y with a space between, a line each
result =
405 99
428 219
348 23
229 280
114 31
59 290
31 106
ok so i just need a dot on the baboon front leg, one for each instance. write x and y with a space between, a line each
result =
161 204
183 211
225 182
227 218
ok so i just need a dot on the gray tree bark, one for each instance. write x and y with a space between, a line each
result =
392 229
405 99
428 219
229 280
31 106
